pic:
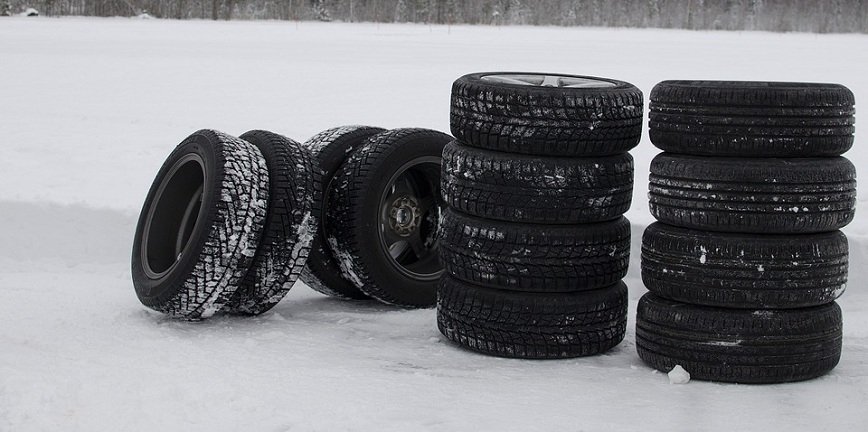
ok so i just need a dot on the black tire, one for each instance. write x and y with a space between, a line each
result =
542 120
330 148
751 119
735 345
750 271
357 232
534 258
772 196
290 225
532 325
536 189
200 225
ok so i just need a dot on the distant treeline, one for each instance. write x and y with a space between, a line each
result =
820 16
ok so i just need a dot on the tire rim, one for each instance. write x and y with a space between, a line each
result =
173 216
409 210
544 80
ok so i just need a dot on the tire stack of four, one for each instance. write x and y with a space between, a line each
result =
534 244
746 261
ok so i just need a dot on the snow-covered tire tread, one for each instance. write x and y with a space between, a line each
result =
747 271
751 119
546 121
748 195
534 258
536 189
289 225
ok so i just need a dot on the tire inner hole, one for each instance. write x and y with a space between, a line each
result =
175 215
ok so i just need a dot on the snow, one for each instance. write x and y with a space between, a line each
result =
345 262
678 375
91 107
730 343
304 234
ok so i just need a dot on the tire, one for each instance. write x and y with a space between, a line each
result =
532 325
749 271
751 119
534 258
363 226
536 189
330 148
289 225
200 225
741 346
513 112
772 196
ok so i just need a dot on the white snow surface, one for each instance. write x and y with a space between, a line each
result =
89 108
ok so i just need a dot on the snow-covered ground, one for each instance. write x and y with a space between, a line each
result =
90 107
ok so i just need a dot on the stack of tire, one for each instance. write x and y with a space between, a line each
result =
533 242
746 260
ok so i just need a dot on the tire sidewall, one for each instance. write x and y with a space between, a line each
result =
157 291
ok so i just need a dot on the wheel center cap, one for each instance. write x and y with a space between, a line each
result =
404 216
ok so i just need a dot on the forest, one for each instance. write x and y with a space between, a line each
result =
817 16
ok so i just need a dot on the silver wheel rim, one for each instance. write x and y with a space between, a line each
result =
540 80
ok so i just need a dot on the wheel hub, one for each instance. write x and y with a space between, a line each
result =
404 216
408 211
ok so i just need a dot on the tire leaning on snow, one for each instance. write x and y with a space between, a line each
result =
542 114
290 225
200 225
355 224
330 149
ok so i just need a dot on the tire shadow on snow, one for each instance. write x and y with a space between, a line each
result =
301 306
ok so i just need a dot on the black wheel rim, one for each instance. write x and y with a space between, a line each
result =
409 211
173 216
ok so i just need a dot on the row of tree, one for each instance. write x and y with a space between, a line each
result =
822 16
